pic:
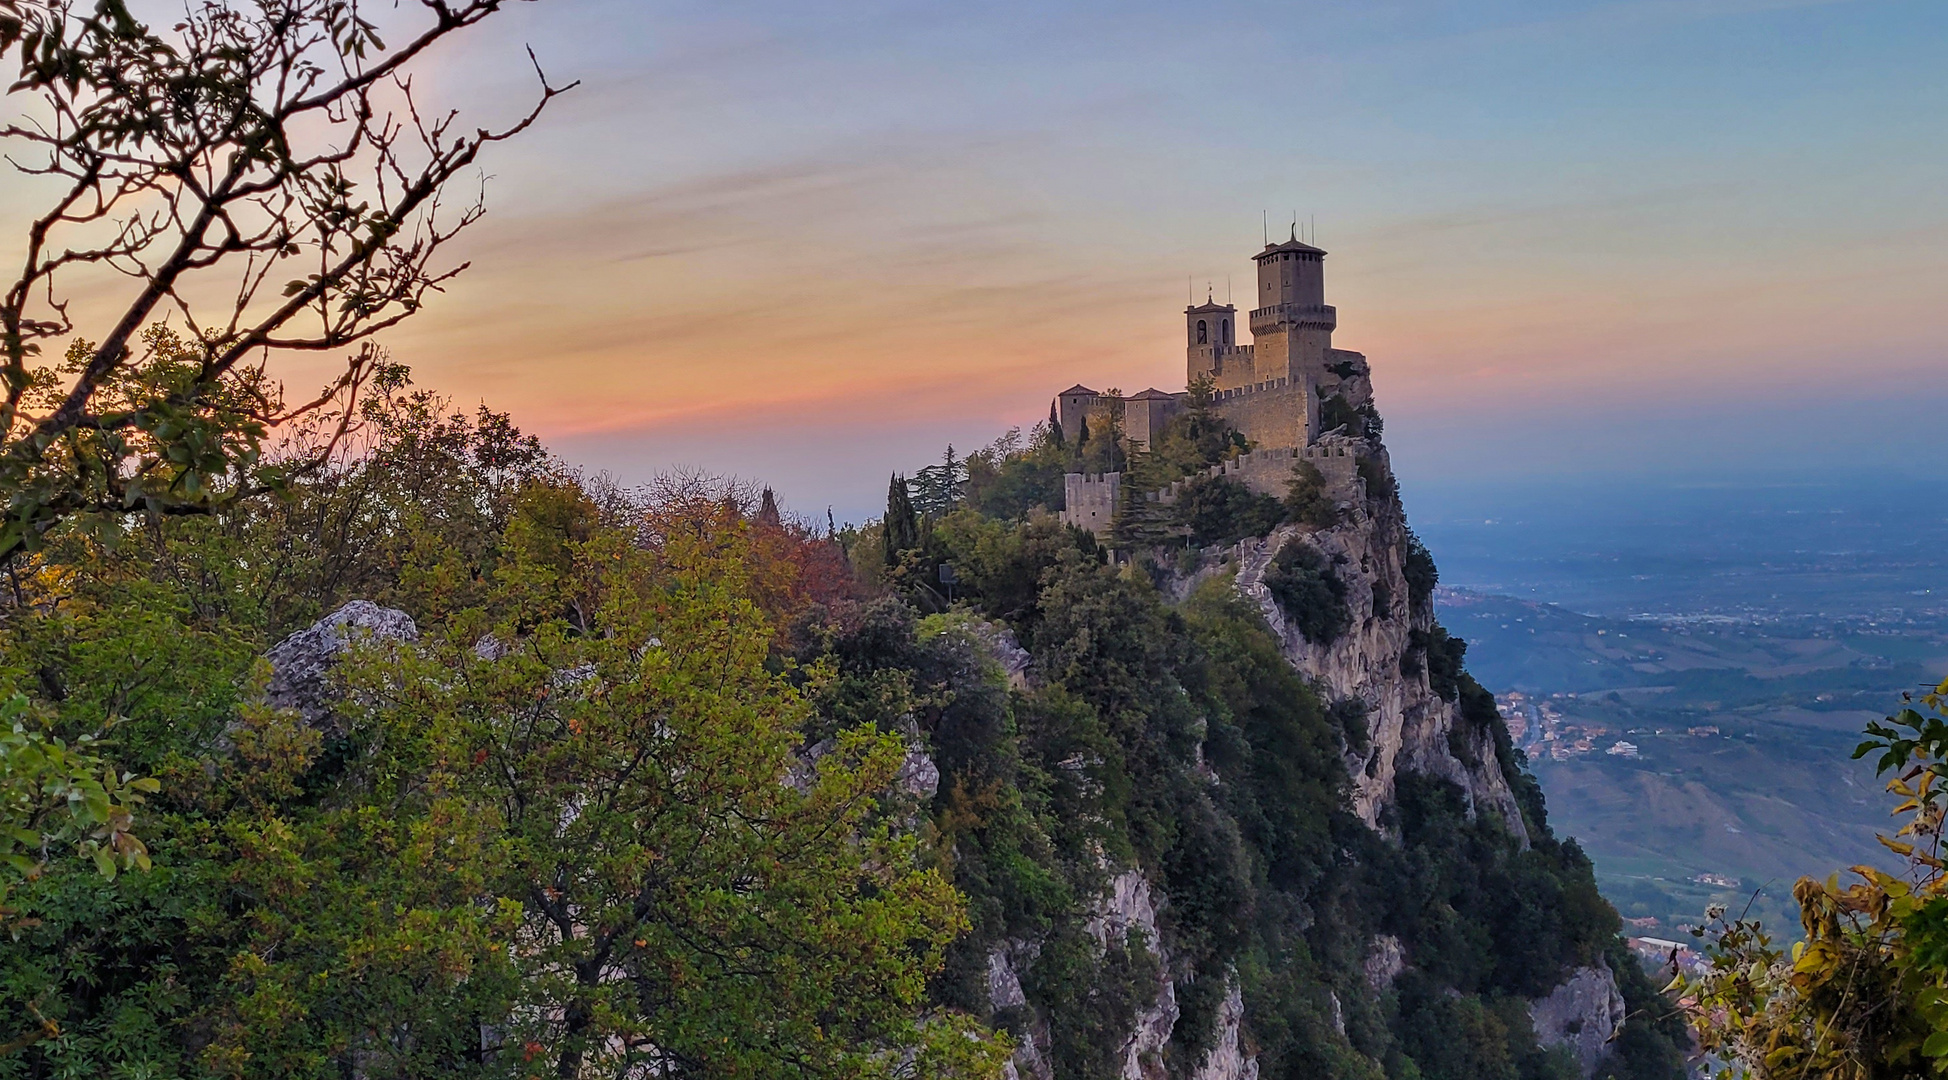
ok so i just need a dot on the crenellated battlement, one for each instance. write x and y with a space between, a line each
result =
1243 391
1318 316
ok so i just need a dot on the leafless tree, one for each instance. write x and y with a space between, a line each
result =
264 179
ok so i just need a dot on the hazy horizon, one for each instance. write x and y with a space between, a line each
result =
812 245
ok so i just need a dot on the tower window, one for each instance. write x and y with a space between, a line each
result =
1226 330
1203 333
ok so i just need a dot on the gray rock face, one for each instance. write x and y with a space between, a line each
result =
919 776
1384 962
1131 905
1128 906
1409 725
301 664
1001 643
1582 1014
1004 983
1030 1061
1228 1059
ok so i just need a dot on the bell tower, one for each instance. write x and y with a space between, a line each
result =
1211 341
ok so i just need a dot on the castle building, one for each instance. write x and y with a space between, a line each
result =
1268 389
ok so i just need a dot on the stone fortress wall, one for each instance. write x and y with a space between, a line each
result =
1091 498
1271 413
1269 472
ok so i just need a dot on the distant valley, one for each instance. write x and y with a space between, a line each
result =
1690 711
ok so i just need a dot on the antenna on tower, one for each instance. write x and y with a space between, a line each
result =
1267 224
1227 288
1315 231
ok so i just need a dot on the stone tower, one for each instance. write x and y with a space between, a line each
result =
1210 340
1292 325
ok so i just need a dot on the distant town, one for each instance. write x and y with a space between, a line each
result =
1538 727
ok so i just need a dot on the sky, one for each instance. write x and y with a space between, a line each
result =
812 243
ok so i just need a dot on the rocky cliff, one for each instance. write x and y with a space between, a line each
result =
1377 667
1411 727
1442 931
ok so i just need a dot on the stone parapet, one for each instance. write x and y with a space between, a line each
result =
1320 316
1254 388
1269 472
1276 412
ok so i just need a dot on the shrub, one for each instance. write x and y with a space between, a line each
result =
1307 502
1379 481
1337 412
1218 510
1419 570
1311 595
1350 715
1442 657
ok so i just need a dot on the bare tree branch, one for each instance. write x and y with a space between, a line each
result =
256 144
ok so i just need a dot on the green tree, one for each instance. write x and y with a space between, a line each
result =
1302 582
900 529
940 487
692 900
1220 510
1306 500
1419 570
1141 521
57 797
374 895
1010 478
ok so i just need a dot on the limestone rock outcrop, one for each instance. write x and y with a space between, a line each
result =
919 776
1228 1059
1583 1014
301 665
1000 643
1130 904
1385 960
1005 996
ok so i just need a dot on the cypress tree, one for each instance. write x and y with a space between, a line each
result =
901 529
953 472
1054 424
1139 522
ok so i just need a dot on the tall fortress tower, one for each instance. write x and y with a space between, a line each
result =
1268 389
